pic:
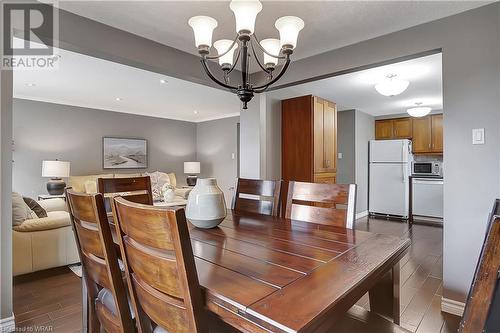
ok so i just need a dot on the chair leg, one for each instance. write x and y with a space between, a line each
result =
94 326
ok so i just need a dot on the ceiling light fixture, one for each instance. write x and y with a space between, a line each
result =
31 84
195 112
245 13
118 99
391 85
163 81
419 111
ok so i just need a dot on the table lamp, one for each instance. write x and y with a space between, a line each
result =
55 170
191 169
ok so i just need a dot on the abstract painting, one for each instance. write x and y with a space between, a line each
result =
124 153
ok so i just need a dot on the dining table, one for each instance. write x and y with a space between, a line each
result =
263 273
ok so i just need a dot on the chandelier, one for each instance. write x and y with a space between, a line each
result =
274 50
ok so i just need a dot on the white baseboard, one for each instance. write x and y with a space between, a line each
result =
453 307
361 214
7 324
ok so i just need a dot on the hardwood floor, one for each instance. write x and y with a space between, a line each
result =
51 300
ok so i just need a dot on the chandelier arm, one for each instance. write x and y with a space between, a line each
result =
264 50
277 77
212 76
257 60
235 62
223 54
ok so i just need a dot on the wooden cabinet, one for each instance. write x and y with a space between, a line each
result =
309 139
402 128
399 128
428 135
426 132
383 129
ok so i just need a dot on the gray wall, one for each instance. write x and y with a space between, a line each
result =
364 132
216 141
470 43
50 131
346 146
250 140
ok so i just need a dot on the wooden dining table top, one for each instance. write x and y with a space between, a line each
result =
287 275
270 274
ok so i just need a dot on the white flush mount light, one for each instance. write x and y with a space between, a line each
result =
31 84
226 55
118 99
419 111
195 111
163 81
391 85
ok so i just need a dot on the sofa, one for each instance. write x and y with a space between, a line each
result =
43 243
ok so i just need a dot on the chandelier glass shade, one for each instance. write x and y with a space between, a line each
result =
391 86
244 46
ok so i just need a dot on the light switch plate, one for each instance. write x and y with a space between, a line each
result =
478 136
340 155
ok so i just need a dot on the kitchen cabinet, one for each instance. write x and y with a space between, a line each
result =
309 139
399 128
426 133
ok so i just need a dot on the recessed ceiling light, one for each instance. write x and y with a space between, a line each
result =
118 99
195 112
31 84
163 81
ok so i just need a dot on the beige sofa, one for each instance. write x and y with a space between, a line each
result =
49 242
44 243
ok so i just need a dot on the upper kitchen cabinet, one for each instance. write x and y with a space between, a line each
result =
428 135
309 139
426 132
399 128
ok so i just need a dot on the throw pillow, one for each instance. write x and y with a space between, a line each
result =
158 179
34 206
20 210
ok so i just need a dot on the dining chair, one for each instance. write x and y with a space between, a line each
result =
107 304
259 196
136 189
160 268
330 204
483 303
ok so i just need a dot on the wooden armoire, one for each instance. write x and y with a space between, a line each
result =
308 140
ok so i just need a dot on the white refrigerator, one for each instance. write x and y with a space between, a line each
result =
389 172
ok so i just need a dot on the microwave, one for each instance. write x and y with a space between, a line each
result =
434 169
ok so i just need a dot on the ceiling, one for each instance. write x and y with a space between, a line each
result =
89 82
356 90
328 24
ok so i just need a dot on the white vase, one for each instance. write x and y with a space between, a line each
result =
206 207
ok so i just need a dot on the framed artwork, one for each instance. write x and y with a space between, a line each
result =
124 153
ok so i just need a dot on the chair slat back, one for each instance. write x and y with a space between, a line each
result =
259 196
478 315
136 189
99 258
159 262
331 204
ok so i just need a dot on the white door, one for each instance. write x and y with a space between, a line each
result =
389 151
388 191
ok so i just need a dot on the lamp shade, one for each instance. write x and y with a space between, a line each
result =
191 167
55 169
222 46
391 86
289 28
272 46
420 111
245 13
203 27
